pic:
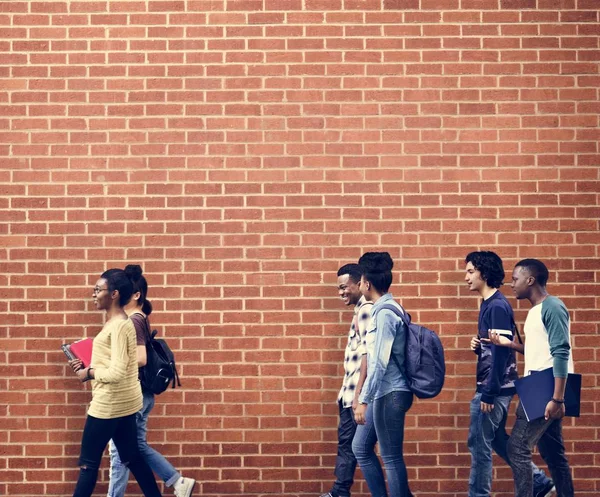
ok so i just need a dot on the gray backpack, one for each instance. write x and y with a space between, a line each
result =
424 364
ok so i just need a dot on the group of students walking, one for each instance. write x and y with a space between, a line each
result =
375 397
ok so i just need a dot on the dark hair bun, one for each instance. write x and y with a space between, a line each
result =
134 271
376 262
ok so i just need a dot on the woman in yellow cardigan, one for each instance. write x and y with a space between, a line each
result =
116 392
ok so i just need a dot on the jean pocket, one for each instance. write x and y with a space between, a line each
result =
400 401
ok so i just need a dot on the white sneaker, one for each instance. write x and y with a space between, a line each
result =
184 487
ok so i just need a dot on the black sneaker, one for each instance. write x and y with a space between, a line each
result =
328 494
548 491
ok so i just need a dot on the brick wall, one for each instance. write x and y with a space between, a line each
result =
241 150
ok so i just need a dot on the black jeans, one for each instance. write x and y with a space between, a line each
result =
96 434
548 437
345 463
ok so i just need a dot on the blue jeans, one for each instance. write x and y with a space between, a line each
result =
119 473
487 432
363 447
388 414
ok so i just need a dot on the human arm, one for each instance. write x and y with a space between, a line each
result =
141 326
360 414
502 341
386 328
119 355
555 318
363 323
84 374
499 317
142 358
362 376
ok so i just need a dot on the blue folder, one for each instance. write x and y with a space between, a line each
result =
536 390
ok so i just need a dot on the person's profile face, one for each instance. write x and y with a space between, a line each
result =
101 295
348 290
521 282
473 278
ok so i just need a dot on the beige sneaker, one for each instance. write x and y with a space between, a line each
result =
184 487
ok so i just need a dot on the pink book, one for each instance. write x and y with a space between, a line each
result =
82 349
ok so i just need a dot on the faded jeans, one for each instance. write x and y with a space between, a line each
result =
119 473
487 432
388 414
548 437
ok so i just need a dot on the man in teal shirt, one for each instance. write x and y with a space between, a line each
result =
548 345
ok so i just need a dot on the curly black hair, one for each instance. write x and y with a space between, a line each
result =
377 267
489 265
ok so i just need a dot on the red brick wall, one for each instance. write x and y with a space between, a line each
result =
241 150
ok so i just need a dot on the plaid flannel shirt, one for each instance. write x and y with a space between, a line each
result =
355 349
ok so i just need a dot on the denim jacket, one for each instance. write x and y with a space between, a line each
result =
385 336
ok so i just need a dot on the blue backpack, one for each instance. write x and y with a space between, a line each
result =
424 364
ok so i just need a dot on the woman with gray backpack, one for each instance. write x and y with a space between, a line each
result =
386 389
138 309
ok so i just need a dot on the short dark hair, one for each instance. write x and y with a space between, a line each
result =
117 279
377 269
537 269
489 265
354 271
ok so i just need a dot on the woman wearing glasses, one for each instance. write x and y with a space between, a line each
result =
138 309
116 392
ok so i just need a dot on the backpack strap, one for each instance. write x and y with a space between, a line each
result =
144 318
175 377
518 334
404 316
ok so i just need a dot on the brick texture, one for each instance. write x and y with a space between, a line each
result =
241 150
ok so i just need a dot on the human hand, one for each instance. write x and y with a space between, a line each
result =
486 408
496 339
76 364
82 374
475 344
360 414
554 410
355 404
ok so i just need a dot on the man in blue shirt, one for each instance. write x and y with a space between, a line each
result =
496 373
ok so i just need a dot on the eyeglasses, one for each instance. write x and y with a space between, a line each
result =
98 290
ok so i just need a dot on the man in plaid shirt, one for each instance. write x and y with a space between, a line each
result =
355 368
